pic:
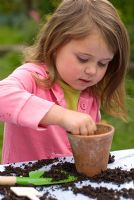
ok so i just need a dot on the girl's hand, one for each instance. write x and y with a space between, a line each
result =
72 121
78 123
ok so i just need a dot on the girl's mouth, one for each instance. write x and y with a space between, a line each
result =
85 81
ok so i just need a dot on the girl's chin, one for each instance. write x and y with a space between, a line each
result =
80 88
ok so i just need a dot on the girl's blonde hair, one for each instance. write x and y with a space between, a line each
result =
75 19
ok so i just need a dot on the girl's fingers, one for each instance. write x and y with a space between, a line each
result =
83 130
91 128
75 131
88 129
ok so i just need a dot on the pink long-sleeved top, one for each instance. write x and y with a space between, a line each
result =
23 104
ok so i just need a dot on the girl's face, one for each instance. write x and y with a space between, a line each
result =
83 63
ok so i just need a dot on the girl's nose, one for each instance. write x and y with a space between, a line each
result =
91 69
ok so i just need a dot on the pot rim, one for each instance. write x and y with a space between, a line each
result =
96 135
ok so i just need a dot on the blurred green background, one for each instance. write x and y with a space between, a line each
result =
20 21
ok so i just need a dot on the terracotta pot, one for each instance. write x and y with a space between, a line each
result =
91 153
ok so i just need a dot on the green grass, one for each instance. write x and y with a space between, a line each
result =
18 35
8 63
10 35
124 132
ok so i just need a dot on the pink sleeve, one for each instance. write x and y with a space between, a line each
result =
18 104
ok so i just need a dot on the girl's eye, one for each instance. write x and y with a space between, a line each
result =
103 64
82 60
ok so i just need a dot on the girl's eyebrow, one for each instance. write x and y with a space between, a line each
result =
103 59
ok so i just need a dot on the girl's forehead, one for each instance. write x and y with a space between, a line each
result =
94 37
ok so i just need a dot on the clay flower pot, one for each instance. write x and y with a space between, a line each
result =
91 153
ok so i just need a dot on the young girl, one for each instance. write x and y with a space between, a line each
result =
77 65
